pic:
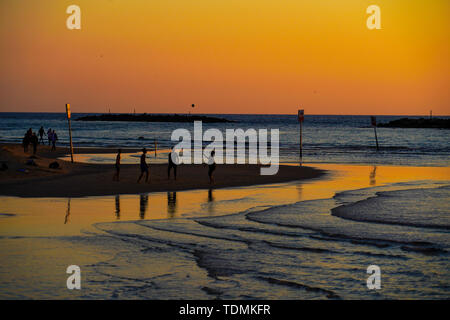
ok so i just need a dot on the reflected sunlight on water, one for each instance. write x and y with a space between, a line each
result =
65 216
276 241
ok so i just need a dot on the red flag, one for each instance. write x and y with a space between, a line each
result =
374 121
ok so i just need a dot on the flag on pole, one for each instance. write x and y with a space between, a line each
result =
301 115
373 120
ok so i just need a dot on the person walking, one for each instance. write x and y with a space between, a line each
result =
117 165
173 162
144 166
54 139
211 167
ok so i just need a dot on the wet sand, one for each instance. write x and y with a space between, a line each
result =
81 179
50 216
278 241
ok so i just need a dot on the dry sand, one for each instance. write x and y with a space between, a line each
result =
78 179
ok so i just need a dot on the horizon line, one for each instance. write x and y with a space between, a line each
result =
278 114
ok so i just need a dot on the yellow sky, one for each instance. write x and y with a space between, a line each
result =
226 56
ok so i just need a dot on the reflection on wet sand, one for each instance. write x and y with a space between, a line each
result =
171 204
210 196
43 216
143 204
372 176
118 207
66 218
299 190
210 202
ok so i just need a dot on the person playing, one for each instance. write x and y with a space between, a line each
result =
41 135
211 167
144 166
54 138
117 165
173 162
49 135
34 141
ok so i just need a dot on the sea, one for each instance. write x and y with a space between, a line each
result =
325 138
312 239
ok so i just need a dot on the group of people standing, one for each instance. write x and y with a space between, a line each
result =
31 138
172 164
52 137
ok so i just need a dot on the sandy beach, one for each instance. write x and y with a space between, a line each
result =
81 179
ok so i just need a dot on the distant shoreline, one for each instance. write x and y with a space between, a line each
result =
237 114
153 118
430 123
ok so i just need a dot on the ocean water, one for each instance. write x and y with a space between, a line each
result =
326 139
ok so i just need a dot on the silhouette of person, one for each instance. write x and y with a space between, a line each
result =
34 141
211 167
144 166
173 161
25 142
54 138
117 165
41 135
49 135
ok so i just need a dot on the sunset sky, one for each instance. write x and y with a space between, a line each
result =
226 56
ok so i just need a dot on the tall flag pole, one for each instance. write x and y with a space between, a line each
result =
373 120
70 130
301 117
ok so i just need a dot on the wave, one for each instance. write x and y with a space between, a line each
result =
311 215
269 251
384 208
328 293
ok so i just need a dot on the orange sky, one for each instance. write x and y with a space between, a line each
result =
226 56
